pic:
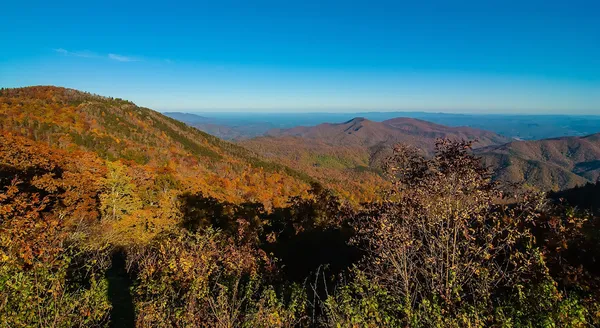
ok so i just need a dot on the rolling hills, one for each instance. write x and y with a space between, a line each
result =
549 164
344 156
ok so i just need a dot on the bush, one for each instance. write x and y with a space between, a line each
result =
201 279
448 247
44 296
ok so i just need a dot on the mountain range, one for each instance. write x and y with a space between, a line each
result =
242 125
363 132
361 145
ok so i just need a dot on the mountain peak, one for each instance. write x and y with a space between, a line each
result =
56 95
359 119
361 132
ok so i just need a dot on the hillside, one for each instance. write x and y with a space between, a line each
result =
116 129
345 169
549 164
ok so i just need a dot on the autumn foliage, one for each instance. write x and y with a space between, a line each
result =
211 235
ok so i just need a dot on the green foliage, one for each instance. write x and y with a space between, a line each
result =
271 310
542 305
362 303
192 146
43 296
362 168
105 146
135 156
332 161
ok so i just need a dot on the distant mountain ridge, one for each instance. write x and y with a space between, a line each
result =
222 128
363 132
243 125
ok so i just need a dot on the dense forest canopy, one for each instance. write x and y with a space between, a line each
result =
115 215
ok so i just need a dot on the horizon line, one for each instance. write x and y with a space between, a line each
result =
243 111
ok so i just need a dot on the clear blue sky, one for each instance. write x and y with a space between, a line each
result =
455 56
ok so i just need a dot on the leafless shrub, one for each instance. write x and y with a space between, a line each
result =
441 232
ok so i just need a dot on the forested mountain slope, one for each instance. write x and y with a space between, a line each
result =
117 129
335 152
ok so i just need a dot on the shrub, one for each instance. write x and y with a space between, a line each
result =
447 245
202 279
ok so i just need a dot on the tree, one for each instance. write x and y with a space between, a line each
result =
119 197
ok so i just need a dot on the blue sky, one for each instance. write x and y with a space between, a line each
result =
335 56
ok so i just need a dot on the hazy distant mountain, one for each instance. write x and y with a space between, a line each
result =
365 133
549 164
189 118
525 127
230 128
